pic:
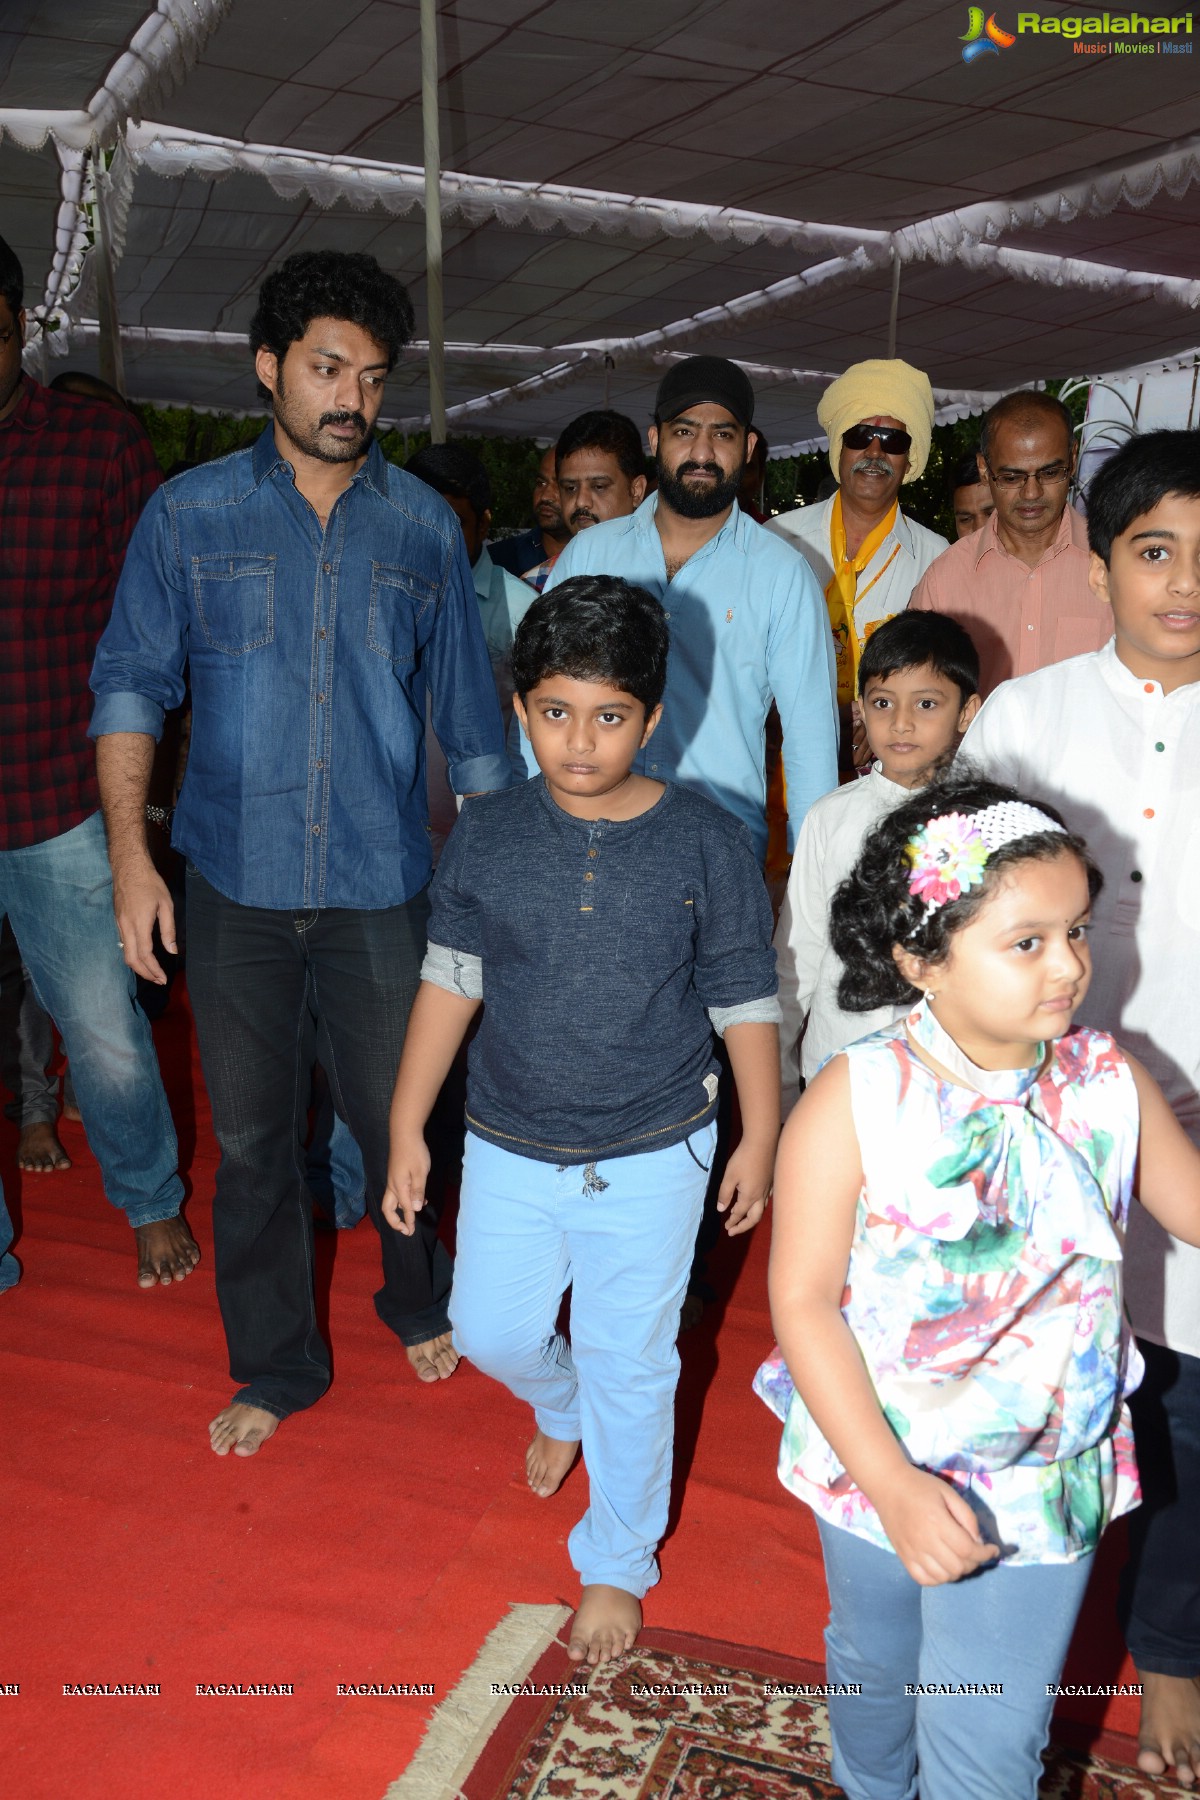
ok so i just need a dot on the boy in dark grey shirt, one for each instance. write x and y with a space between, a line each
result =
608 924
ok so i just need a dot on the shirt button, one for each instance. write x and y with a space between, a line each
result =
1160 746
1148 813
320 699
593 853
1029 628
323 633
654 768
327 567
320 762
1147 687
316 831
589 876
1136 875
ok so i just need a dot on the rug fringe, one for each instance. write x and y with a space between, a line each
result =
465 1720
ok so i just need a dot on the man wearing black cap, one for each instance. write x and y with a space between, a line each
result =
748 621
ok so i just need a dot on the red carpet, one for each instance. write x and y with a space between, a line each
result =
375 1539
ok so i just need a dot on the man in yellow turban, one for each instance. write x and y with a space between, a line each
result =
867 555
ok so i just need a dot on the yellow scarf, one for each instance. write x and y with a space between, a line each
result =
842 592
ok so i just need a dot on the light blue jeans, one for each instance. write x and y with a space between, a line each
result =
1003 1625
621 1234
58 895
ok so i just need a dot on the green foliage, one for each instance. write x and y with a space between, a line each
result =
182 436
511 464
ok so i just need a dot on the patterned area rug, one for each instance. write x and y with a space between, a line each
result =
679 1718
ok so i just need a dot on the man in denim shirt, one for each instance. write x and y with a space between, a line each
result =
319 594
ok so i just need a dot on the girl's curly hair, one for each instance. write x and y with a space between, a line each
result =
873 909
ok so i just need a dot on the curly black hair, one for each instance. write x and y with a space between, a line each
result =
331 284
873 910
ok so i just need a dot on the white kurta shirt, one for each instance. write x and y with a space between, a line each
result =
808 967
887 582
1121 761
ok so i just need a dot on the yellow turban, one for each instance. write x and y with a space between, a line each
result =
875 389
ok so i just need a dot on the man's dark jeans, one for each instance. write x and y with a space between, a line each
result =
252 974
1159 1602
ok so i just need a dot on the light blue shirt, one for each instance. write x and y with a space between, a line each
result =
504 600
748 625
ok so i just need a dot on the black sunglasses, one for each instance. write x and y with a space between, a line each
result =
892 441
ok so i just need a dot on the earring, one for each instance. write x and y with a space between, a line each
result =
930 994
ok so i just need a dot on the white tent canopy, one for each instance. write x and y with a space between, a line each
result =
623 185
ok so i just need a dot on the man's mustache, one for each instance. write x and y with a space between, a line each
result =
343 418
581 512
872 465
693 468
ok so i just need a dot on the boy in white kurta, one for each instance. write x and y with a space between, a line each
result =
1113 740
917 684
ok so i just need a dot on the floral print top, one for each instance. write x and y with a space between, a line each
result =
984 1290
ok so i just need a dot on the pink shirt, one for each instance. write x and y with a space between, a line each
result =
1019 618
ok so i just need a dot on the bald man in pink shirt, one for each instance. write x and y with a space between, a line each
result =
1020 584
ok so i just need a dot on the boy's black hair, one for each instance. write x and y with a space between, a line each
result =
873 909
1025 403
965 473
919 640
1133 481
449 469
595 628
12 278
331 284
609 431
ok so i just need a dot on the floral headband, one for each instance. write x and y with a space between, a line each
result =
948 856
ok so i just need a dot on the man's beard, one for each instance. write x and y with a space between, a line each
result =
698 503
307 436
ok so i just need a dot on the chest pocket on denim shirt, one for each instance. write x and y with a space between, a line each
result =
235 600
657 933
401 601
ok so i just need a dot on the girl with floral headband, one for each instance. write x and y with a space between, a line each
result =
951 1196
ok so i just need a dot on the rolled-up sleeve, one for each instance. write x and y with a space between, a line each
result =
138 672
454 911
464 708
735 963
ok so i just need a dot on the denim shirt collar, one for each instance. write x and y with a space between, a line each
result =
266 458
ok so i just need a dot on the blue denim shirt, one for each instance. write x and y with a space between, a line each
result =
748 625
310 654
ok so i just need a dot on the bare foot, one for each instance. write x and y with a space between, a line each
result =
167 1252
39 1151
1169 1731
72 1112
434 1359
606 1625
241 1428
547 1462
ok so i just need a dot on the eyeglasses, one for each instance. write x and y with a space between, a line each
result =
892 441
1050 476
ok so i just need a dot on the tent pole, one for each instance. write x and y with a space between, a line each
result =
112 363
433 223
894 310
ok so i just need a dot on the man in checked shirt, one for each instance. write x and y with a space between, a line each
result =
74 476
